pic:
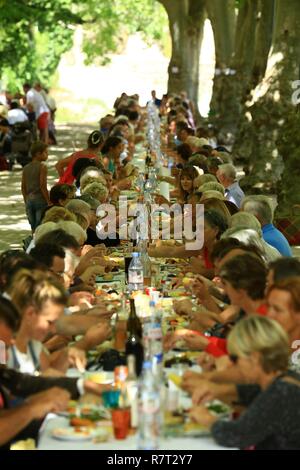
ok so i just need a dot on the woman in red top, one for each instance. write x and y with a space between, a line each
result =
244 281
65 166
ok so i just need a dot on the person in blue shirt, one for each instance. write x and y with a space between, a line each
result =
260 207
226 175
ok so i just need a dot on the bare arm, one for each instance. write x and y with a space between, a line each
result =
231 375
23 188
43 183
172 252
62 164
13 421
75 324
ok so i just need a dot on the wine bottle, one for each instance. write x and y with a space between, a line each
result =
134 344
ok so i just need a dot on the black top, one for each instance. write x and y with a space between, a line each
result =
24 385
272 420
93 240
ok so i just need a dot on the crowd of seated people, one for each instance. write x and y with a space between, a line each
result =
245 315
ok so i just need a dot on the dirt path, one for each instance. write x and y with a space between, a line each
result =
14 226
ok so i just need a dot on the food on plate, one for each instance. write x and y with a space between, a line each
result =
193 427
177 293
71 408
73 434
81 422
218 408
172 419
108 277
99 292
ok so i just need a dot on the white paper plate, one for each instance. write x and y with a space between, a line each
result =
70 434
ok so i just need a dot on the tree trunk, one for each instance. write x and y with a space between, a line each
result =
286 42
272 134
186 21
263 40
245 142
221 14
237 77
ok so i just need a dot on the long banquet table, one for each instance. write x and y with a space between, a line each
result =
47 442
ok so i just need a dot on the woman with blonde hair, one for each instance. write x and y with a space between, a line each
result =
260 347
40 300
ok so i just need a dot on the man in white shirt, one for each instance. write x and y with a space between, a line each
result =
35 102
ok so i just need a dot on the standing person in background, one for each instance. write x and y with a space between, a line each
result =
34 184
35 102
65 166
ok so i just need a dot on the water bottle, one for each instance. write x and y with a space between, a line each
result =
135 273
149 429
140 183
146 262
152 338
155 333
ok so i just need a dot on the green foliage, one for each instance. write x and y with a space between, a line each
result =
112 21
35 33
33 36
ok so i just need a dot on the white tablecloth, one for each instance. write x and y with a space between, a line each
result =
47 442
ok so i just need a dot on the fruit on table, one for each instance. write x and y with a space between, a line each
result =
186 281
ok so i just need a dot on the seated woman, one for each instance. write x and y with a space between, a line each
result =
244 279
214 226
111 151
40 300
185 187
261 348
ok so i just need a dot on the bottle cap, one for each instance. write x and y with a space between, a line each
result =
147 365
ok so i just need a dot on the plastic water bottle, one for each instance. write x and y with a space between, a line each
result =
146 262
152 337
135 273
156 335
140 183
149 429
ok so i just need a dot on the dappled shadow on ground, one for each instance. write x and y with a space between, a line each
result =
14 226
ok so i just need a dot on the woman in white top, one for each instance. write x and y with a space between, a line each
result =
40 300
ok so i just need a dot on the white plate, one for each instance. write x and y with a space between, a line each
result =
69 434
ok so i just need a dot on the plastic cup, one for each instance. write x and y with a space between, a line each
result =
121 422
111 398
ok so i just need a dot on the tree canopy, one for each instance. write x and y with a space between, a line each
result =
35 33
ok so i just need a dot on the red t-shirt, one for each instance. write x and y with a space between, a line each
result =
67 177
207 262
217 347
